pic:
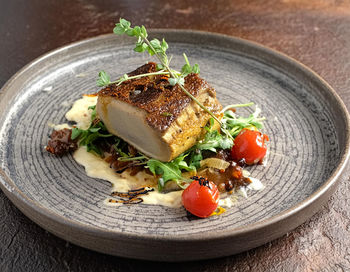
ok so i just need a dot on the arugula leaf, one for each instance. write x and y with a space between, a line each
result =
167 170
195 158
170 170
182 164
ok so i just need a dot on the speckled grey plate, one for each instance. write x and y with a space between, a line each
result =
307 124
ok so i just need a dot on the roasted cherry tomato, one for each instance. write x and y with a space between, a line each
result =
201 197
250 146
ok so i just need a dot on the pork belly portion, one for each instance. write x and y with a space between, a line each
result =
158 119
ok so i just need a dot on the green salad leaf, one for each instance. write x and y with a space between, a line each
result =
96 132
167 171
213 140
234 124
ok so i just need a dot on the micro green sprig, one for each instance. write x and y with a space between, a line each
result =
158 49
235 124
104 79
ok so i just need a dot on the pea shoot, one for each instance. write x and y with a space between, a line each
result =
157 48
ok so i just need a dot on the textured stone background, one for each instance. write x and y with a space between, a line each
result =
317 33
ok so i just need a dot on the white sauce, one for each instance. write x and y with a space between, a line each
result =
57 127
256 185
227 200
96 167
80 113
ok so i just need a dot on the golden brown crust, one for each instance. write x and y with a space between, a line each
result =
162 102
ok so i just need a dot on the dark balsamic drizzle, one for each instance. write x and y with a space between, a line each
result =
130 197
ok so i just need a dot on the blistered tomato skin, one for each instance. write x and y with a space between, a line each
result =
250 146
201 200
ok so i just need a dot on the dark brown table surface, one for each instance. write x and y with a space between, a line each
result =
316 33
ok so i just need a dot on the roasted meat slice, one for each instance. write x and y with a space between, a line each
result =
160 120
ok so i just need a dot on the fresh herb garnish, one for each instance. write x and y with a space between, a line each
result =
213 140
235 124
158 49
89 137
104 78
93 112
169 171
96 132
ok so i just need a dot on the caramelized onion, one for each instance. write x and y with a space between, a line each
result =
215 163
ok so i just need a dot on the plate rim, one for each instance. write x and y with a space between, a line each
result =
13 192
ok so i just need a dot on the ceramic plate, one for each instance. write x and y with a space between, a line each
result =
307 124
